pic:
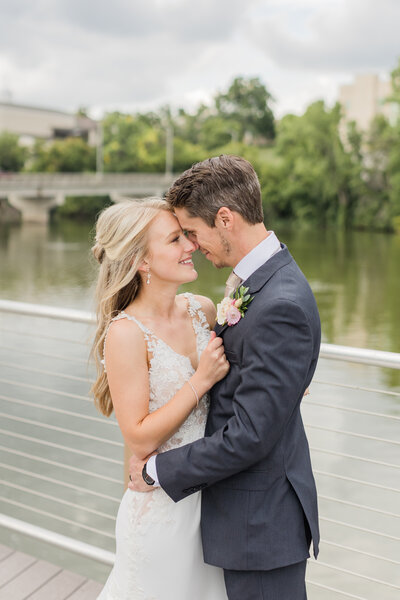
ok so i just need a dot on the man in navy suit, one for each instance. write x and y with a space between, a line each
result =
259 502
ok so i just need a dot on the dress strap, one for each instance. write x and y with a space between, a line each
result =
124 315
195 311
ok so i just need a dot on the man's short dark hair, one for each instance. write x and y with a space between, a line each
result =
220 181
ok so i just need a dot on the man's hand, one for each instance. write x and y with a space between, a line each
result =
137 483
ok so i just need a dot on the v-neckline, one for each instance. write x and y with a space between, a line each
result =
151 333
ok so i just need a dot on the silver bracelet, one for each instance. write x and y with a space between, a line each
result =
194 392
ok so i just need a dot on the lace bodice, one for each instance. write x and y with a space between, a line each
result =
169 370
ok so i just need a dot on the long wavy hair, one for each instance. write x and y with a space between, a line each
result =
120 247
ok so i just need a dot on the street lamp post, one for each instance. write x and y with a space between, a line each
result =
169 153
99 149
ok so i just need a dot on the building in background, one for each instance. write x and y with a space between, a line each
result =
31 123
366 98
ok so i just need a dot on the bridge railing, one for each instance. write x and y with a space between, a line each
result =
61 463
31 181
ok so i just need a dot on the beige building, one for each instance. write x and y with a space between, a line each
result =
32 123
366 98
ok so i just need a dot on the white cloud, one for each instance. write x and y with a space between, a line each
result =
132 55
334 36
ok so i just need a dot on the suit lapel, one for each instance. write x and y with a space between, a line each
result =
259 278
220 328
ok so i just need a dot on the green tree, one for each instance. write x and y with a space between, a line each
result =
373 208
63 156
246 103
217 131
316 179
382 171
394 154
133 143
12 155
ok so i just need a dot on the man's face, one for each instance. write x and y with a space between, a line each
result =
209 240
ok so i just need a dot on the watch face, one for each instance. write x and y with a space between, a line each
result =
149 480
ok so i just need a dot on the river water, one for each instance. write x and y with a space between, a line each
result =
355 278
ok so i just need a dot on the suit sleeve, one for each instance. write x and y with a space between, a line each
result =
276 362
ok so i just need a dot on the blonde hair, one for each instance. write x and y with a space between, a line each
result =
121 246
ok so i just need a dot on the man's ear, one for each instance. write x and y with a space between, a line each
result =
224 218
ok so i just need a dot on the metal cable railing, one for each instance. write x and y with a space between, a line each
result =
47 514
371 461
69 449
60 411
357 411
43 371
61 465
43 336
386 488
360 506
358 551
349 386
362 529
87 436
55 481
58 464
354 434
76 507
359 575
41 388
61 357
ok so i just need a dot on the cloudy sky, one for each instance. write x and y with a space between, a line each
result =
141 54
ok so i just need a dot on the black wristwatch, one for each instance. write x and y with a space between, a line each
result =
149 480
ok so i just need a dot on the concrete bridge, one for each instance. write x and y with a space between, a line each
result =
34 194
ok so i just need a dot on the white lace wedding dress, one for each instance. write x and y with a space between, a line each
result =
158 544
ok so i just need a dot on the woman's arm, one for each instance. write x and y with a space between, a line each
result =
128 379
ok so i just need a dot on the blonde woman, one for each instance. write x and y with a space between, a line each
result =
156 360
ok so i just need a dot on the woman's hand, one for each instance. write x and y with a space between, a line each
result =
213 365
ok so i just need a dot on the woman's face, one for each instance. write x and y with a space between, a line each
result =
170 252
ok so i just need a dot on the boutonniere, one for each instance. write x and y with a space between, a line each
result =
232 309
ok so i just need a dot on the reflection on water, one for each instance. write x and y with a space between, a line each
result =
354 276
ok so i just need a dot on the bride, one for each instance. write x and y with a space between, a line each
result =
156 360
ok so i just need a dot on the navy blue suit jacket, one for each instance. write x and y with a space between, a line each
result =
259 503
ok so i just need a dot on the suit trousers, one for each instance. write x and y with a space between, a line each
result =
285 583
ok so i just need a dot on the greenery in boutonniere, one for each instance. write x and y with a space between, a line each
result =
232 308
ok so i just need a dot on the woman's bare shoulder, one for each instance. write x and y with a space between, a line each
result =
125 338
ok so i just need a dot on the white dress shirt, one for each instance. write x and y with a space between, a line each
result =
246 267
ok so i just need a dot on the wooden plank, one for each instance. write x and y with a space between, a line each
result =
12 566
89 591
29 581
60 587
5 551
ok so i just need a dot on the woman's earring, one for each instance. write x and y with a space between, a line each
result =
148 277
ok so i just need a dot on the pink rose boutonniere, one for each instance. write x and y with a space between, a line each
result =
232 309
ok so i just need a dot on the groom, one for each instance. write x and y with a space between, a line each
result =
259 501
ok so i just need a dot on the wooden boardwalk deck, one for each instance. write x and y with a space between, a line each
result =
23 576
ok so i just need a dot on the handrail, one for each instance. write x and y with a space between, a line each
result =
56 539
48 312
378 358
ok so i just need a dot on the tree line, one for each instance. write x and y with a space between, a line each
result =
311 170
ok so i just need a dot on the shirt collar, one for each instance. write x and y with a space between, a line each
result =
257 256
